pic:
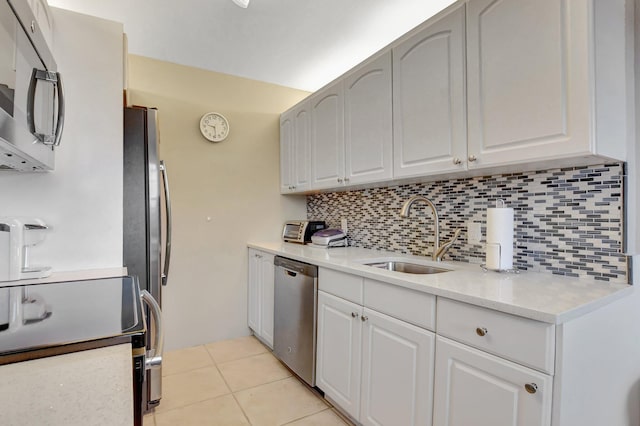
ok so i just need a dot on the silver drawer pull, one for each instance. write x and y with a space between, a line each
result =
531 387
481 331
354 315
364 318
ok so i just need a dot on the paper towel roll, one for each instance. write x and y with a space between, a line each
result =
499 254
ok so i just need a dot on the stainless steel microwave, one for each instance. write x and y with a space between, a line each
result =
31 93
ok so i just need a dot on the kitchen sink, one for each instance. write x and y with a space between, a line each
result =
407 267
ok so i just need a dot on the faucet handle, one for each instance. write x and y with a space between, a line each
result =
444 248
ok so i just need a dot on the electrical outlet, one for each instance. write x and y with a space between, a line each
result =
474 233
343 224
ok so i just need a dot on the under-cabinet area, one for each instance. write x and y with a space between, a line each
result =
463 347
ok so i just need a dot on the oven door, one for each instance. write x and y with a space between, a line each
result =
31 95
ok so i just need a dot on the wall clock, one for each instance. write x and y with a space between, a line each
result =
214 127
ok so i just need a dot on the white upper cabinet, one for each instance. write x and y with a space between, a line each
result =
327 137
286 152
302 150
351 128
531 80
295 146
430 133
368 122
486 86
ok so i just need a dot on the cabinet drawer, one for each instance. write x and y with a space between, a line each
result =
341 284
403 303
528 342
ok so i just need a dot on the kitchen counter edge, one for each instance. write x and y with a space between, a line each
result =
539 296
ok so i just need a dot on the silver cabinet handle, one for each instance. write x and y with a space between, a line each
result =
481 331
346 179
154 356
168 229
472 158
354 315
364 318
457 161
56 79
339 180
531 388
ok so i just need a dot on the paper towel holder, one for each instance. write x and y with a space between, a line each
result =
500 204
507 271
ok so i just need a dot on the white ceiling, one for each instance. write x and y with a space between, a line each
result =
302 44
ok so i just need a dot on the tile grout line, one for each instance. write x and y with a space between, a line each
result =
305 416
233 395
267 350
192 370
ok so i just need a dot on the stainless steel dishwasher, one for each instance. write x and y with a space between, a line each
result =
296 299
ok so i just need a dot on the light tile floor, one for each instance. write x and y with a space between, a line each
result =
235 382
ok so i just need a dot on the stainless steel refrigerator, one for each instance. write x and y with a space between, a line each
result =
147 229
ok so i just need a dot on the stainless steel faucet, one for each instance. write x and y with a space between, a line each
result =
438 251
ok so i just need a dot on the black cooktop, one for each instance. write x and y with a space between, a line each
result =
44 318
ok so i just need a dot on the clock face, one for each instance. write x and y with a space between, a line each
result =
214 127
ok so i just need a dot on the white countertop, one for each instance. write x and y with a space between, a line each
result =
539 296
61 276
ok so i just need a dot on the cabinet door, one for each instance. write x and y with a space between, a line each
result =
327 137
368 117
267 275
253 291
527 80
429 120
475 388
286 151
338 355
397 372
302 148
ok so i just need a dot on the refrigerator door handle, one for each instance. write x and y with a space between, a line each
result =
154 356
167 205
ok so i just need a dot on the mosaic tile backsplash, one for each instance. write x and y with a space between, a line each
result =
567 221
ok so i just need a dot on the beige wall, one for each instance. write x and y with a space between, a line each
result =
224 194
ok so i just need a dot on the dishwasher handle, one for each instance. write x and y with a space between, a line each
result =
296 267
290 273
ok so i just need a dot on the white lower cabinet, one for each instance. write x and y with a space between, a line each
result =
391 355
260 289
378 369
397 372
475 388
338 355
